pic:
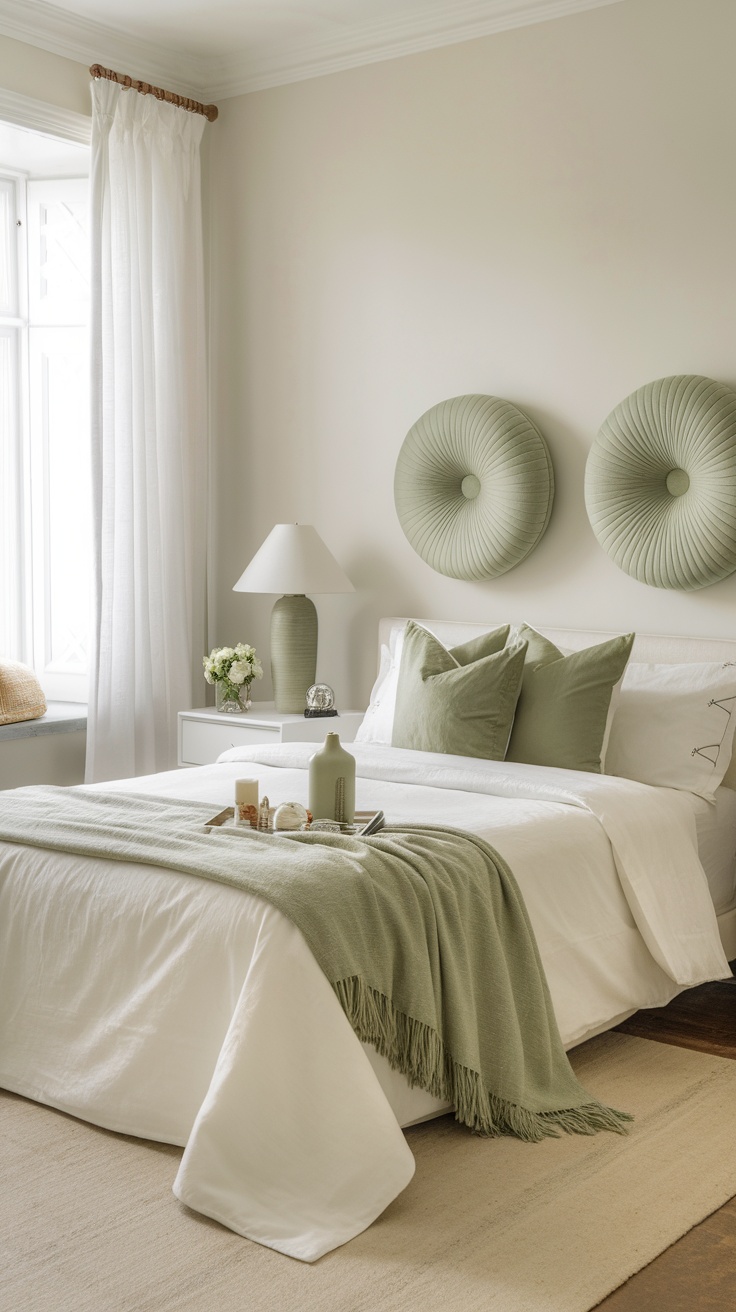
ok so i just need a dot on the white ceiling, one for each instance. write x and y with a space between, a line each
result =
217 48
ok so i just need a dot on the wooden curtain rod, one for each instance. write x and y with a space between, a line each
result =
210 111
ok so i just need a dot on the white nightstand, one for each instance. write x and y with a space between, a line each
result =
204 733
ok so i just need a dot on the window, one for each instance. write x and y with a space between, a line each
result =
45 494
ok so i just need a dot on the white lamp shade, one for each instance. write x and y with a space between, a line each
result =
293 560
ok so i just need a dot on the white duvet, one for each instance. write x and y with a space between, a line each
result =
186 1011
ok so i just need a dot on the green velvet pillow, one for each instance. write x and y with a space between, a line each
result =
563 706
460 701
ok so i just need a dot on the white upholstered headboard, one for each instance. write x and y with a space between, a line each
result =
663 649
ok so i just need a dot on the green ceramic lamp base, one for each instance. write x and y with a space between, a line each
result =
293 651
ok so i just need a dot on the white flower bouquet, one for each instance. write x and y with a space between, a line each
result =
232 670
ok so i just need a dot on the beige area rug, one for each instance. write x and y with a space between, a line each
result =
88 1222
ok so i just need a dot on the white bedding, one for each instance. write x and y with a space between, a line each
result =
186 1011
716 834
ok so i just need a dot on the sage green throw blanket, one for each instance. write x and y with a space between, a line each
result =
421 931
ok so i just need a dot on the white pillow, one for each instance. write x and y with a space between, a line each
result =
378 721
674 726
613 706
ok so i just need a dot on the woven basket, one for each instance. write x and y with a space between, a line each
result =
21 695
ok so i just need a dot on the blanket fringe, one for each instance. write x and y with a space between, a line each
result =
417 1051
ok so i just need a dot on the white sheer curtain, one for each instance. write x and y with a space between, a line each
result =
149 433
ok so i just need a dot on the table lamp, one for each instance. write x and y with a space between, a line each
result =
293 560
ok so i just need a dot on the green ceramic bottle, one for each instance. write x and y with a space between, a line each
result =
332 782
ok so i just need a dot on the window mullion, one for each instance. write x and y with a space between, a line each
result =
24 490
15 637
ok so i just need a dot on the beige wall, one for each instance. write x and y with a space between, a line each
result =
43 76
51 758
547 215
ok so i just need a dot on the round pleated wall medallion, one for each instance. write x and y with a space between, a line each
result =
474 487
660 483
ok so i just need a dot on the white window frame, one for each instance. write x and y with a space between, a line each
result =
58 680
15 326
26 112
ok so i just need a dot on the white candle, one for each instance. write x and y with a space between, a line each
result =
246 790
246 802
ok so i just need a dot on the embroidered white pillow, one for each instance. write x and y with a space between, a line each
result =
674 726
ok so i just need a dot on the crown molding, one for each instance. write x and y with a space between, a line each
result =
394 39
40 117
50 28
82 39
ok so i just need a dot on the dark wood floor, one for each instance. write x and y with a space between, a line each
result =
702 1018
698 1273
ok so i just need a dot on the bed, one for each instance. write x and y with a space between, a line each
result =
174 1009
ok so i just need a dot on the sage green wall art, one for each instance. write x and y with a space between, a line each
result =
474 487
660 483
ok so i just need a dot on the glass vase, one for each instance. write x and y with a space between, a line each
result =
232 698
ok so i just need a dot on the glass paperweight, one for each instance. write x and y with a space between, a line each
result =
320 701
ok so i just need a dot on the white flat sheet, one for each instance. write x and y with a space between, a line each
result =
182 1010
716 834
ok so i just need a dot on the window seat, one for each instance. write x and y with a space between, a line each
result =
60 717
